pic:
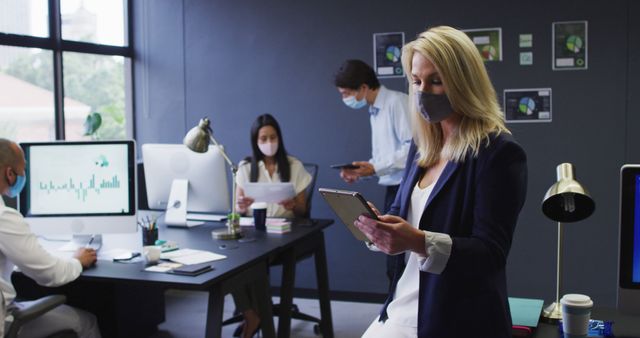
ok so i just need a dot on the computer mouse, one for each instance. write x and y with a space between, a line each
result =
223 246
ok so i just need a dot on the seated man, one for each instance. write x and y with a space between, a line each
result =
19 247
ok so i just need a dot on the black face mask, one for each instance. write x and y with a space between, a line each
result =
434 107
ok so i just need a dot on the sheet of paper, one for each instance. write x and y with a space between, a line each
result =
269 192
190 256
162 267
197 258
178 253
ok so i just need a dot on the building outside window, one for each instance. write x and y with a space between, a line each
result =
65 70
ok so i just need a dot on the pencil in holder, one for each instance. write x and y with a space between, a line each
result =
149 236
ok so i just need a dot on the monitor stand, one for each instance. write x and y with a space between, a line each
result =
87 241
176 214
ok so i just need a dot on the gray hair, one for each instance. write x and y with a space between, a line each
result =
8 155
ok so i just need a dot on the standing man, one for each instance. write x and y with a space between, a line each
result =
390 131
19 247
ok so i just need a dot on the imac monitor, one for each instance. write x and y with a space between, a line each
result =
629 256
180 181
79 187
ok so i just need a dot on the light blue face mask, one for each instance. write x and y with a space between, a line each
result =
17 187
352 102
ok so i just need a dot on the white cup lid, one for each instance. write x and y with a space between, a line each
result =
259 205
575 299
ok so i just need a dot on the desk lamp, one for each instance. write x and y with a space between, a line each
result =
565 202
198 139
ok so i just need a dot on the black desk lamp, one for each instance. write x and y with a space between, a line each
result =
198 140
566 201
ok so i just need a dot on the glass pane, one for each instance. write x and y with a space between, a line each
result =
94 84
96 21
26 103
25 17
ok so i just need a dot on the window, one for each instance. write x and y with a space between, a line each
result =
65 70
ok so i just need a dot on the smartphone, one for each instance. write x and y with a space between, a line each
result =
348 206
345 166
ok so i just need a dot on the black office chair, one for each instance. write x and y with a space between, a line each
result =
312 169
143 203
36 309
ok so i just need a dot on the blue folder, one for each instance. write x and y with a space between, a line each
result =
525 311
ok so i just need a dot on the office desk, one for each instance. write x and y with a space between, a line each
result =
625 326
248 263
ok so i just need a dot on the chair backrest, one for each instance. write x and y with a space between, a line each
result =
31 310
312 169
143 204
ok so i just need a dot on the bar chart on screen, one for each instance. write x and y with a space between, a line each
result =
77 180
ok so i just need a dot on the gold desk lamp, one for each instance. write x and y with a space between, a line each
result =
198 140
565 202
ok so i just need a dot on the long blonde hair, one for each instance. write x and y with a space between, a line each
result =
468 88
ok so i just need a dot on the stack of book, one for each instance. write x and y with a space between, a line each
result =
278 226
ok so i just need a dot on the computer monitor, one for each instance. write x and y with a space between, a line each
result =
629 256
181 180
79 187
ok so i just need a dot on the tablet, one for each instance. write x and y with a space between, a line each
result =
344 166
348 205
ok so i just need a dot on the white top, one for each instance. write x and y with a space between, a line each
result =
299 177
390 135
403 309
19 247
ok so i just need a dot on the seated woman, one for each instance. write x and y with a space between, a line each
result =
269 163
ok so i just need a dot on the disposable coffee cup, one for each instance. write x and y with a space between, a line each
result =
576 312
151 254
260 215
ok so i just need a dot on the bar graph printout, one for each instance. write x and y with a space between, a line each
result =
78 179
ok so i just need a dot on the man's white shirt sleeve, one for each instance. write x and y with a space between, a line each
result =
21 247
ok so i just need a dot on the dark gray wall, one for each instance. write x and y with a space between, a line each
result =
232 61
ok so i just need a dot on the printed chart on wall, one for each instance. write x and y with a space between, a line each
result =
527 105
570 45
387 48
488 41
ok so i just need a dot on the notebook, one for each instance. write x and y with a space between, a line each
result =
525 311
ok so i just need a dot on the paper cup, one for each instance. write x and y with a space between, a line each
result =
576 312
151 254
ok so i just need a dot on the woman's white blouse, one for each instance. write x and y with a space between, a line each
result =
299 177
403 309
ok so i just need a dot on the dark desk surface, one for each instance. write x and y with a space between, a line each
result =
200 238
625 326
119 292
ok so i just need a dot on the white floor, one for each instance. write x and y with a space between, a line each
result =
186 310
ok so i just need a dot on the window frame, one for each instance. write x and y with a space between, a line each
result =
57 45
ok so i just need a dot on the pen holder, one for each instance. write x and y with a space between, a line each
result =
149 236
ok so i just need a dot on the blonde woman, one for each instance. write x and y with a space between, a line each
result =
453 219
